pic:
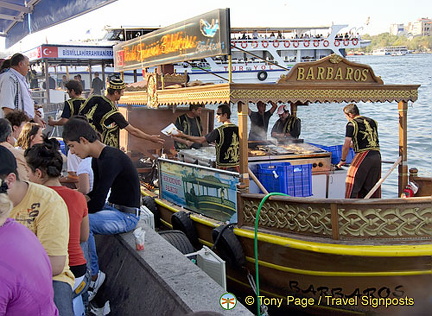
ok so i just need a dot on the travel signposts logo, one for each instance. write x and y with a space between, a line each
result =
228 301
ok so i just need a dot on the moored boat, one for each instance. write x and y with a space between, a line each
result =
315 254
391 50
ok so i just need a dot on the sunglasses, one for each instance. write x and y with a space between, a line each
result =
219 113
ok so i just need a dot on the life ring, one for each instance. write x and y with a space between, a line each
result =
355 41
181 221
275 43
346 42
287 44
306 43
326 43
264 44
150 203
262 75
296 43
254 44
228 246
244 44
337 43
316 43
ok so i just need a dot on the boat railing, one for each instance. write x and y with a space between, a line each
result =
312 42
370 221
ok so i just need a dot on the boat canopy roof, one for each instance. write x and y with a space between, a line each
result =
331 79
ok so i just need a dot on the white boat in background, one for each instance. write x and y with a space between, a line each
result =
391 50
259 54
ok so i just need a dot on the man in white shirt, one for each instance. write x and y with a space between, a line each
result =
14 89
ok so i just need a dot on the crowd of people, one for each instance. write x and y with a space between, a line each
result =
60 223
63 221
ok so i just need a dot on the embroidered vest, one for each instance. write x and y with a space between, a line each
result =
228 147
365 136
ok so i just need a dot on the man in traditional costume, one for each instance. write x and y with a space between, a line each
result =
365 171
226 139
103 115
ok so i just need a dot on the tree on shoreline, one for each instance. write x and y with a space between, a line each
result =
421 44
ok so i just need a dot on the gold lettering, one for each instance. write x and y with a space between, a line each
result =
349 73
300 73
320 74
365 74
310 74
171 43
338 74
329 73
357 75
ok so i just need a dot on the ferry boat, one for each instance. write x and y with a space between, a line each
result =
262 55
259 54
391 50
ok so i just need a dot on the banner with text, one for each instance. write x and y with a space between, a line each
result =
203 36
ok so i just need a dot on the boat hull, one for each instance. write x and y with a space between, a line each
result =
384 270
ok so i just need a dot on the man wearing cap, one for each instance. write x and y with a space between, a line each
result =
287 125
104 116
15 91
45 213
260 121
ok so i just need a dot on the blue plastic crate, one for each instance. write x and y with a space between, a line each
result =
273 176
336 153
294 180
300 180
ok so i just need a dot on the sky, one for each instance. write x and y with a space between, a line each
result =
272 13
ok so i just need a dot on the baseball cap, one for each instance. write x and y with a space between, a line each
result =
281 109
117 84
8 162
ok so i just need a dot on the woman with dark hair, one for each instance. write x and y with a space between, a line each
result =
25 270
45 162
30 135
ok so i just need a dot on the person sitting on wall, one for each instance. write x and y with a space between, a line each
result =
45 213
25 269
287 125
115 178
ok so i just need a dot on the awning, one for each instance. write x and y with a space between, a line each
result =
19 18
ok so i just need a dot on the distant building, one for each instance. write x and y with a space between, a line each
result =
397 29
421 27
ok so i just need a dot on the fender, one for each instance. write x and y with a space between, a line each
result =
181 221
228 246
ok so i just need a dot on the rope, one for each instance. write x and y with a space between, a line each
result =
263 309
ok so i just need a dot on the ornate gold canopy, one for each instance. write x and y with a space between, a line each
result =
331 79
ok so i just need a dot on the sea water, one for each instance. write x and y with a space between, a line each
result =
325 123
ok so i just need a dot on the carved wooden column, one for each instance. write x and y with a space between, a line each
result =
403 146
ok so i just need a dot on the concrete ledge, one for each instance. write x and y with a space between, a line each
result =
156 281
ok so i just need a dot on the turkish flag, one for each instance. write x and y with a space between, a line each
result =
120 58
49 51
